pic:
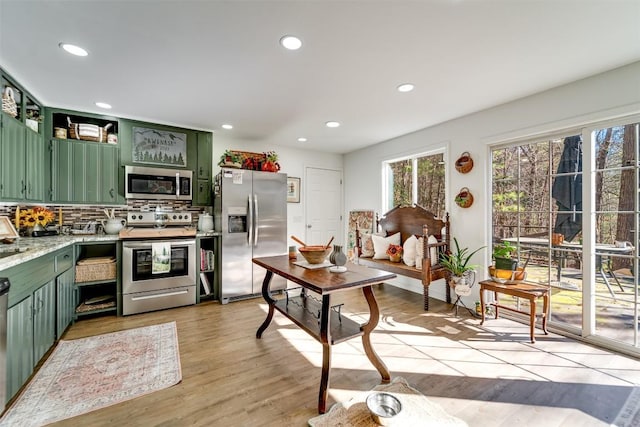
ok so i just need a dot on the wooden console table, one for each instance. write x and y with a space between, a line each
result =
317 318
529 291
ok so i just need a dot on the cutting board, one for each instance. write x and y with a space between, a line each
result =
150 233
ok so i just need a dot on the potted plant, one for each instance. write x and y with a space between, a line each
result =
270 162
457 263
503 256
230 159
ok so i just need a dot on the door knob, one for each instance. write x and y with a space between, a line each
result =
309 226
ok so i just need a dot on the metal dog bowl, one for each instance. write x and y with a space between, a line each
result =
384 407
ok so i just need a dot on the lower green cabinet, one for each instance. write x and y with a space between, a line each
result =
44 319
66 301
19 345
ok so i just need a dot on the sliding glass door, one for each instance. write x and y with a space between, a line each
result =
570 204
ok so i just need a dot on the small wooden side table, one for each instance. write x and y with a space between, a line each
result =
530 291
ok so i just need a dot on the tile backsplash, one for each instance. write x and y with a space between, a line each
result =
76 215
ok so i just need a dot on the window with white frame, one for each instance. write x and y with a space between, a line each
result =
418 179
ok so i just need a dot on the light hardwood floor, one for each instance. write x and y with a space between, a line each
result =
488 376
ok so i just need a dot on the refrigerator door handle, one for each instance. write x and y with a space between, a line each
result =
255 223
250 221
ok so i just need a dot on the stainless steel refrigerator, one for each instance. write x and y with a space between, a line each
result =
250 211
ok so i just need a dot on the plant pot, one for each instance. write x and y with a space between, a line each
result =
506 263
395 258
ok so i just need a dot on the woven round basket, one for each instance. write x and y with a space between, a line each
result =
464 198
465 163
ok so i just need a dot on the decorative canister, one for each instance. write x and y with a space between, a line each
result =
60 133
112 138
205 222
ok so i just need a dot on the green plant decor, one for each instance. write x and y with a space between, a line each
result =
457 262
504 250
503 256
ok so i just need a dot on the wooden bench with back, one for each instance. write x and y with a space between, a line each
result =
416 221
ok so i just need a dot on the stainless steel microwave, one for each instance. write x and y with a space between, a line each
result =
158 183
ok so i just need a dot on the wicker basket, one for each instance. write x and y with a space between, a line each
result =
464 198
87 132
465 163
9 102
93 269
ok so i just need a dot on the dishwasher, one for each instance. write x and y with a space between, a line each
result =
4 297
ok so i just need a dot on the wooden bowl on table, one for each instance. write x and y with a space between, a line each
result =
507 276
315 254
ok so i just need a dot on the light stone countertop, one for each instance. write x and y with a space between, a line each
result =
28 248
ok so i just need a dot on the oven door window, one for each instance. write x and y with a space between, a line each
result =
151 184
142 264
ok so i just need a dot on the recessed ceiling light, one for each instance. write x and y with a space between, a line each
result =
103 105
405 87
73 49
302 139
226 126
291 42
332 124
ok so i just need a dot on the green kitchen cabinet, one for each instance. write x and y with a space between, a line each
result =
61 171
84 172
22 157
30 334
205 149
19 345
65 301
13 154
202 193
34 161
44 319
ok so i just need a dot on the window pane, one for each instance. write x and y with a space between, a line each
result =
431 193
401 182
615 146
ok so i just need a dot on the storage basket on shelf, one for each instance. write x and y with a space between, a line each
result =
96 268
87 132
9 105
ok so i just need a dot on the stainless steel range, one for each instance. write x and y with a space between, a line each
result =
159 261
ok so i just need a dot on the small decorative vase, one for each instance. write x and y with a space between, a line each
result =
337 257
395 258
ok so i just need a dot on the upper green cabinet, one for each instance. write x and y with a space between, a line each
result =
84 172
22 161
205 148
21 145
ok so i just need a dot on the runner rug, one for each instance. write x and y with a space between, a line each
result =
629 415
86 374
416 411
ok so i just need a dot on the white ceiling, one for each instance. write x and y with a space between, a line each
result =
199 64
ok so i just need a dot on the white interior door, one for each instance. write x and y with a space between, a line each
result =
323 200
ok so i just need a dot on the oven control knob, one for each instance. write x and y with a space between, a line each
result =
180 216
139 216
174 216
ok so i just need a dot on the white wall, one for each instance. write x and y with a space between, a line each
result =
292 161
611 94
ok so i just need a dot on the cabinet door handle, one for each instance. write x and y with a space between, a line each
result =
24 187
111 192
200 170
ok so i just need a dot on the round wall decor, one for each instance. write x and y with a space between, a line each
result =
465 163
464 198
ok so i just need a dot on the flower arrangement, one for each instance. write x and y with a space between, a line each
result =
270 162
394 251
36 216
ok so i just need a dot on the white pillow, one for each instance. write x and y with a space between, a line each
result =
419 252
409 251
433 252
381 244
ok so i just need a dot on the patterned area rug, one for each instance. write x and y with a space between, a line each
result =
86 374
416 411
629 415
